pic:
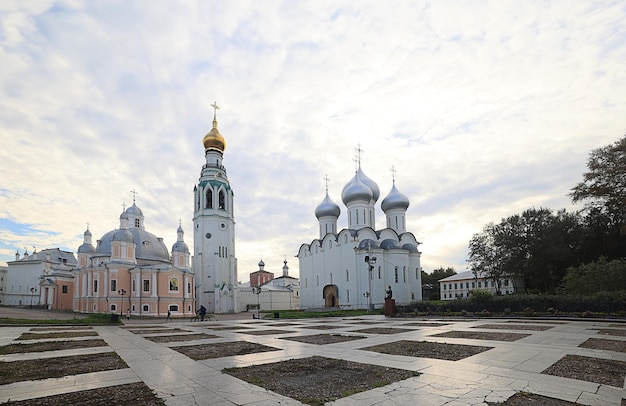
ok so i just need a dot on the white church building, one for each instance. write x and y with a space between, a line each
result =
355 267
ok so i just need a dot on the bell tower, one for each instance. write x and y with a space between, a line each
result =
214 261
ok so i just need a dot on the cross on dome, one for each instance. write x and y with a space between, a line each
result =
393 174
215 108
135 193
326 179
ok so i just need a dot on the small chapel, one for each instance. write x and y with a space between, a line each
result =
359 266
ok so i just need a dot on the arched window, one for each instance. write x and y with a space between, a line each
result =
209 198
222 200
174 308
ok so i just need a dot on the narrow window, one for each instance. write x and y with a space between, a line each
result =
379 272
404 274
347 276
134 284
95 286
348 295
209 198
65 289
396 271
222 200
146 285
113 285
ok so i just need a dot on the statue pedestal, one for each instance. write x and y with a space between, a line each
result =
390 307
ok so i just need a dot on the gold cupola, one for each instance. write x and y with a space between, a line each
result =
214 141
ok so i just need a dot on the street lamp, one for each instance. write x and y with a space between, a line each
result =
370 260
257 292
121 292
32 292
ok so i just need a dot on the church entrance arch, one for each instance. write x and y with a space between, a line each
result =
331 296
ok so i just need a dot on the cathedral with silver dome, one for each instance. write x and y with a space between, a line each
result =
131 271
355 268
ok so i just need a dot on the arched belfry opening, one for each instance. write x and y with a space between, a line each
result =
331 296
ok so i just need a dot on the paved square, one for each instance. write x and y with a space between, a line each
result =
489 376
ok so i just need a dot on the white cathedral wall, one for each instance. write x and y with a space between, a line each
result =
328 267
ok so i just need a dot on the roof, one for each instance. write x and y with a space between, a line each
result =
460 277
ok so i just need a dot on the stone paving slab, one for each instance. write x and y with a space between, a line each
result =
491 376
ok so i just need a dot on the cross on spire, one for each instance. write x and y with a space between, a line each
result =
326 180
393 173
135 193
87 226
215 107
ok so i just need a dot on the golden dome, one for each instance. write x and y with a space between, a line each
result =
214 140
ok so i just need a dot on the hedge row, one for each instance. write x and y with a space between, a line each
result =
602 302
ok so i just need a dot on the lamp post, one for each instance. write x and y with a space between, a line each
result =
32 292
121 292
257 292
370 260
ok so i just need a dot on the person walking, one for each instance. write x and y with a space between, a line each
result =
169 316
127 314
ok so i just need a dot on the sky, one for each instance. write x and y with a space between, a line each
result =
484 109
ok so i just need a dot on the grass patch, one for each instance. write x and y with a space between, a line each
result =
317 380
89 319
29 370
300 314
51 346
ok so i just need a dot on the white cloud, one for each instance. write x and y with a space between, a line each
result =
484 108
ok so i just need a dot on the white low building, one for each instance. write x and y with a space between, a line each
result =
282 293
463 284
25 274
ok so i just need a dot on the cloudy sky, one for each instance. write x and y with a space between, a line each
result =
484 109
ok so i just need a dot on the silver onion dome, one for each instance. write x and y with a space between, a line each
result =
395 200
327 208
356 190
369 183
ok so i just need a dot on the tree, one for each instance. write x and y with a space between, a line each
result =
603 190
536 247
604 184
434 278
598 276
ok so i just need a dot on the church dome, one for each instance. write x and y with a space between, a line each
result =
214 141
180 246
356 190
369 183
147 245
327 208
123 235
86 249
134 211
395 200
